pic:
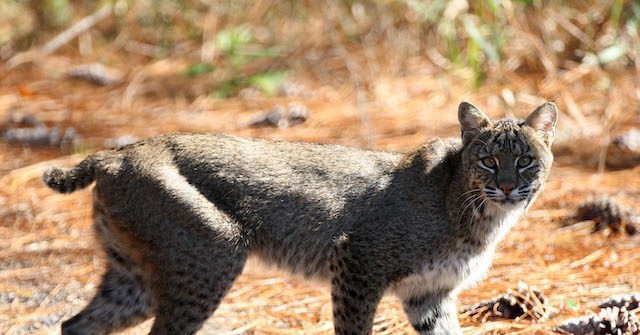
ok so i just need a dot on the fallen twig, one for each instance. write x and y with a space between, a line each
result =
62 38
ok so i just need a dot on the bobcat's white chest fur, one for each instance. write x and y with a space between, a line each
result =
466 263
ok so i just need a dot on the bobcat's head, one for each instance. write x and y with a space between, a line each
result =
506 161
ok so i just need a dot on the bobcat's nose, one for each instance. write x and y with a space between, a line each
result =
507 188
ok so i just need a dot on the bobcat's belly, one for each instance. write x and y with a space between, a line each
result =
451 273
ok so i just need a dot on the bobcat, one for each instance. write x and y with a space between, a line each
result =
178 215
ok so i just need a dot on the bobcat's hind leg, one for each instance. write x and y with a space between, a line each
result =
123 298
196 252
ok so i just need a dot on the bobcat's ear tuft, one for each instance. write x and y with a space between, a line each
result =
472 120
543 120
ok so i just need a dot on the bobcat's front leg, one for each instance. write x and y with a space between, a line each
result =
433 314
355 298
356 290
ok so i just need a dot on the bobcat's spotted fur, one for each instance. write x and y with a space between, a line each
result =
178 215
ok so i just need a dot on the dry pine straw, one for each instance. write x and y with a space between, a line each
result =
49 261
49 265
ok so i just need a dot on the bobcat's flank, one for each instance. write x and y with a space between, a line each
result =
178 215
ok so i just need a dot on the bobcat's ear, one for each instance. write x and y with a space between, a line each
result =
472 120
543 120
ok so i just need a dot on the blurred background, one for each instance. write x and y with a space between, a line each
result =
80 76
382 74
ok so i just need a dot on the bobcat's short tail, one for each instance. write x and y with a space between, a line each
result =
67 180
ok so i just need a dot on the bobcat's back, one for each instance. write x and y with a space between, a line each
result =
291 200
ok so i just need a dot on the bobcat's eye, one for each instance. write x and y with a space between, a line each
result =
489 162
524 161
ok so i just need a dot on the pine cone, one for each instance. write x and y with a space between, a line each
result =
624 150
95 73
611 320
522 302
604 211
281 117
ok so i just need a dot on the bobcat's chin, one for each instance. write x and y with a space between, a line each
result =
509 204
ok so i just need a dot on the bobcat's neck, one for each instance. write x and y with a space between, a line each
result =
490 223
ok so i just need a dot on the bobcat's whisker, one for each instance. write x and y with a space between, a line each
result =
477 209
472 200
470 191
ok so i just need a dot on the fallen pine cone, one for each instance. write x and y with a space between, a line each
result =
282 117
629 301
611 320
524 302
95 73
624 150
28 130
605 212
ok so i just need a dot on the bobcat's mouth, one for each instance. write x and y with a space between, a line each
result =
510 201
